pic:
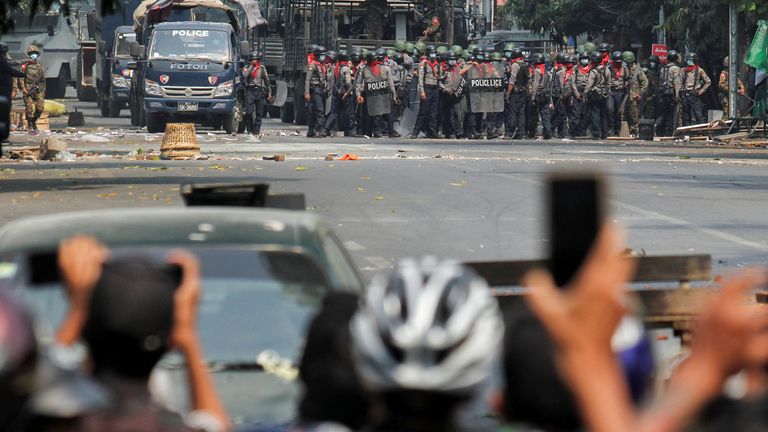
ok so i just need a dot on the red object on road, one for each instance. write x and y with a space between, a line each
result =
660 50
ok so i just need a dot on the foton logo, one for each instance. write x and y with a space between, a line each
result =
213 79
182 66
164 79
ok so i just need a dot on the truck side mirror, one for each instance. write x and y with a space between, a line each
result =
245 49
137 50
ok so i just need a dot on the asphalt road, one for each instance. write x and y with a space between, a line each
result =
470 200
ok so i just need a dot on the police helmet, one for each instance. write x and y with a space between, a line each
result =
516 53
596 57
370 56
466 55
409 48
570 58
381 53
450 55
603 47
442 49
356 55
319 50
471 48
391 53
331 55
489 52
616 56
673 56
254 55
399 46
560 58
399 59
431 51
478 52
628 57
692 58
496 56
420 47
457 49
33 49
311 49
538 58
583 55
589 47
527 59
343 55
509 47
654 58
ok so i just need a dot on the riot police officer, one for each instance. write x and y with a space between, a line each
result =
517 91
667 105
597 92
580 102
648 108
332 101
33 88
695 84
345 89
605 53
377 90
428 73
540 95
257 90
314 93
453 102
618 85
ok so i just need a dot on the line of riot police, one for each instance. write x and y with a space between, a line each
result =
474 93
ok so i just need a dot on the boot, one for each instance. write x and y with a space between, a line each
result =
248 124
31 126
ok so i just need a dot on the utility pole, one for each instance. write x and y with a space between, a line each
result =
662 31
733 52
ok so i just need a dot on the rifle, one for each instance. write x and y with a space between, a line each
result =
629 89
34 91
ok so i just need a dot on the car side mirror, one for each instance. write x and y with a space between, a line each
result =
131 65
245 49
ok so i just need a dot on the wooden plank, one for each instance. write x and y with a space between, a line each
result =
649 269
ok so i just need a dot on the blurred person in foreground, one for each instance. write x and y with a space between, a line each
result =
129 313
334 399
582 318
18 359
424 342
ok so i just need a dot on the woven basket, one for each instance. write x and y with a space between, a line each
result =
179 142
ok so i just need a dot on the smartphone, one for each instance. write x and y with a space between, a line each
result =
576 212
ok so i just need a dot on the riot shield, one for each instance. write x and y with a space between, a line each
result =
406 122
486 87
377 93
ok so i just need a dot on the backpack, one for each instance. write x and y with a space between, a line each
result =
666 82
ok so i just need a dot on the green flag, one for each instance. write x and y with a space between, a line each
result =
757 56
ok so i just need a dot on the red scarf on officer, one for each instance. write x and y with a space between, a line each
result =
691 68
568 71
374 66
585 69
541 67
617 70
256 68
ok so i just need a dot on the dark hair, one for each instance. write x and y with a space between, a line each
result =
535 393
332 391
130 317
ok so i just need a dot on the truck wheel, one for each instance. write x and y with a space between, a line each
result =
155 123
103 106
114 108
286 113
232 122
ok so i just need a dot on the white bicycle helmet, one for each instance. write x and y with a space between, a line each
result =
429 326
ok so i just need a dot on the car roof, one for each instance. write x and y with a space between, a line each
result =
189 25
162 226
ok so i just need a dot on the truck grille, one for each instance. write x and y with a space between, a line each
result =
188 92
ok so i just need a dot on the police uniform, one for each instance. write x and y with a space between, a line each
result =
652 94
33 86
638 87
597 91
695 84
375 76
582 118
346 91
454 103
332 99
395 71
724 88
314 85
567 80
540 98
426 122
670 83
257 90
517 92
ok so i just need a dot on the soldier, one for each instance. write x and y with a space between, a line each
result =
568 82
638 87
517 92
531 115
257 90
670 82
314 93
652 94
377 89
7 78
428 73
695 84
580 103
559 117
724 88
454 103
432 32
33 88
618 85
540 93
597 92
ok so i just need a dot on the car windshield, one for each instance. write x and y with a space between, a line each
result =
252 303
123 44
190 44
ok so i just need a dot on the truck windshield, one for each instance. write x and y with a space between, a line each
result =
190 44
123 44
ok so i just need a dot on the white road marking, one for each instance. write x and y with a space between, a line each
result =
353 246
379 262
